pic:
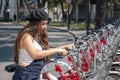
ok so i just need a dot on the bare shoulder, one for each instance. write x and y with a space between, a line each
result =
26 38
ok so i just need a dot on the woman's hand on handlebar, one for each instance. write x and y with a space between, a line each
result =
63 52
70 46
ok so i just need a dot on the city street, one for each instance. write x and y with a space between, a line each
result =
8 33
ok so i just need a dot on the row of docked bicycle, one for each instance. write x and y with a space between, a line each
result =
91 58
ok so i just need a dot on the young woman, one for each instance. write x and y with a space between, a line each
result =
32 47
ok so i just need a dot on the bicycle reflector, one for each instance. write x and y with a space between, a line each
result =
85 67
89 43
102 39
84 64
58 68
98 50
70 59
80 51
91 52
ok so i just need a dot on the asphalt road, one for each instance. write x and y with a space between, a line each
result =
8 33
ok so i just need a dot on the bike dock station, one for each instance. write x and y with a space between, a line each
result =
94 57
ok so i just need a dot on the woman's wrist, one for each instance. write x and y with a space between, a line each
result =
60 50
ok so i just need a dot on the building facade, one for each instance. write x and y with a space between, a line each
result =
13 8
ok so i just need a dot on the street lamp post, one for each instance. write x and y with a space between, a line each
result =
18 14
68 17
87 16
68 21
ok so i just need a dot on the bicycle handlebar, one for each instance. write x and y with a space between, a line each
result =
75 38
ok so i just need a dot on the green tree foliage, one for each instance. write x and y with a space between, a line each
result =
116 1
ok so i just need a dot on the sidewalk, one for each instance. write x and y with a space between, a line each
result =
56 38
4 75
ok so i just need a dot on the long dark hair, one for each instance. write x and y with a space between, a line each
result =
38 34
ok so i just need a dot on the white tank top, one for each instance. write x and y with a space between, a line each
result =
24 57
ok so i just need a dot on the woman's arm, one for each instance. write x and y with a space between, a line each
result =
27 43
69 46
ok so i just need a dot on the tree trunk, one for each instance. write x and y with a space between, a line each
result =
18 14
64 17
27 4
41 3
100 13
73 11
5 8
1 2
